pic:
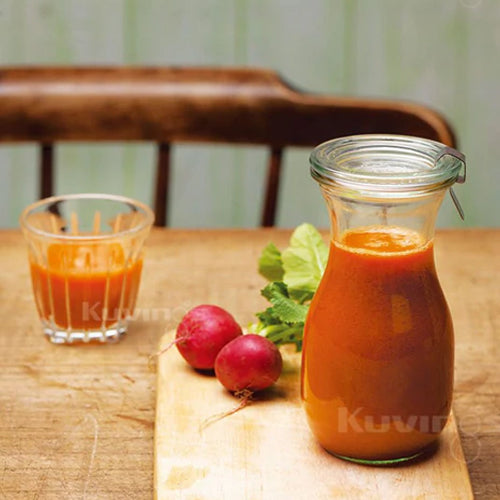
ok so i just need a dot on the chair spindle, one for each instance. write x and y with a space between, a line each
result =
46 170
272 187
162 184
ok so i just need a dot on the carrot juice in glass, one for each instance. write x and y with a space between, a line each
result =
85 258
377 367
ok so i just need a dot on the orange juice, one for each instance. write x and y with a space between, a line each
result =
85 286
377 371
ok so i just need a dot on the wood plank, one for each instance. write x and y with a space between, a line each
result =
266 451
49 394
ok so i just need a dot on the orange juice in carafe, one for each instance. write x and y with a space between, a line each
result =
377 370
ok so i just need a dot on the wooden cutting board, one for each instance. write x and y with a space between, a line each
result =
266 452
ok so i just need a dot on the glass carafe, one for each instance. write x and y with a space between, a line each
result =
377 367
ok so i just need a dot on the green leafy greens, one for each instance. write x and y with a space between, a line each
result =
293 276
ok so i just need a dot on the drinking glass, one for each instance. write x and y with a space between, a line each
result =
85 257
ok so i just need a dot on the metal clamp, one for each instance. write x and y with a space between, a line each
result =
446 151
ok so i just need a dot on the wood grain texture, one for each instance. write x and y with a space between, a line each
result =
78 422
266 451
228 105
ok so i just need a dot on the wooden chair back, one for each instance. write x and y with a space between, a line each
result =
49 105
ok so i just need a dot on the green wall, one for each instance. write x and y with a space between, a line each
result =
443 53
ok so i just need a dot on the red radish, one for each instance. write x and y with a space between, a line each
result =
203 332
248 363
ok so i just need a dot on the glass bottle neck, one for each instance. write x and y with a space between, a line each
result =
416 216
390 182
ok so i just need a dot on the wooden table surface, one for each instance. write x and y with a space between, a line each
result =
77 422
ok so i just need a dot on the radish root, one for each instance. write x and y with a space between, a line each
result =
245 396
153 357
